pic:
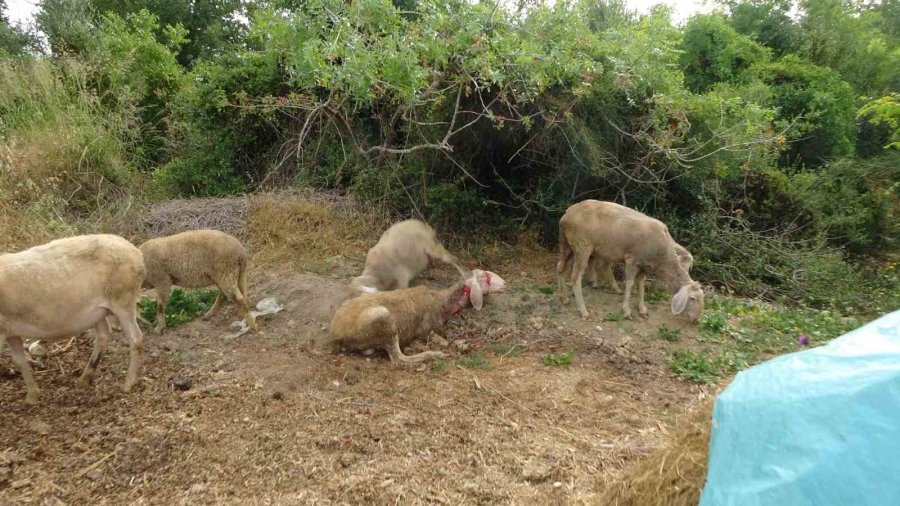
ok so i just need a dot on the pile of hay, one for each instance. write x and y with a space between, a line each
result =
176 216
674 474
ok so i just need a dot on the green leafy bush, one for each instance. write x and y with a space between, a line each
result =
183 305
559 360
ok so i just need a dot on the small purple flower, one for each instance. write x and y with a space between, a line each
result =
803 341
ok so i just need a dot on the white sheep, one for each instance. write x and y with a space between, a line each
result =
392 319
65 287
595 264
615 233
197 259
402 253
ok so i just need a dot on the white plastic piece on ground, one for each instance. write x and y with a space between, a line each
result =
267 306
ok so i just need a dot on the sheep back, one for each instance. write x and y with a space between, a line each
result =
195 259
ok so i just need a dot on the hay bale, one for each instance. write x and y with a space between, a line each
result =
175 216
674 474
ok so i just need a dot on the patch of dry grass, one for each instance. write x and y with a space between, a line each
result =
674 474
309 230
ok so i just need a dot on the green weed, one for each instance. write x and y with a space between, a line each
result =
559 360
439 367
546 290
668 334
694 367
714 322
614 317
183 305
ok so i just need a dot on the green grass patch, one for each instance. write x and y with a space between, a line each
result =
714 322
667 334
546 290
656 296
694 367
439 367
475 360
614 317
183 305
559 360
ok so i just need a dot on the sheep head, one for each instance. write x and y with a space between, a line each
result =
688 300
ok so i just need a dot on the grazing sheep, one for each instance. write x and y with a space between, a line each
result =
402 253
615 233
595 264
197 259
394 318
65 287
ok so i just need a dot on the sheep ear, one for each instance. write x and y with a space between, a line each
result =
680 300
475 294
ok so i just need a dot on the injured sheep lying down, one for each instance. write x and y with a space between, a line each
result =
65 287
402 253
392 319
197 259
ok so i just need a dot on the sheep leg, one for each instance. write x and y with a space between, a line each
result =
631 271
611 279
127 316
162 298
101 338
642 308
592 269
17 350
439 252
238 298
561 267
397 355
582 256
217 305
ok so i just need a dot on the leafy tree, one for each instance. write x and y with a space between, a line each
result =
819 106
212 26
845 35
70 25
714 52
885 111
14 40
768 22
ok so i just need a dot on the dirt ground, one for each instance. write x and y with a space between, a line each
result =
267 419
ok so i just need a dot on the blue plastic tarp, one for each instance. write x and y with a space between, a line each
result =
819 427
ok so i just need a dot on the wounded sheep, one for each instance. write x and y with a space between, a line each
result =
392 319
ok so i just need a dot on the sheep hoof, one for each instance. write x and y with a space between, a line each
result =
31 398
644 313
584 314
84 381
627 315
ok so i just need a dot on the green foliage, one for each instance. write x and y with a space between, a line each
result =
855 201
559 360
668 334
713 322
475 360
768 22
210 26
183 305
69 25
14 40
439 367
714 52
614 317
694 367
884 111
818 105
